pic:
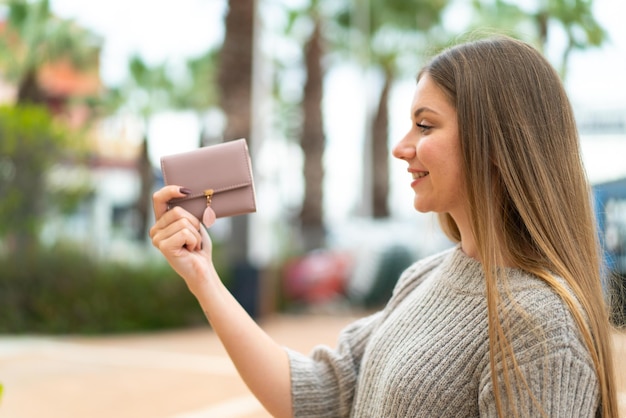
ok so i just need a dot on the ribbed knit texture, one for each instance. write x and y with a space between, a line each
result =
427 354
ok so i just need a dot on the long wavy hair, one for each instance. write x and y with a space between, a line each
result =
527 189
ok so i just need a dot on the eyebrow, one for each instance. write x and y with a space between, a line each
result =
421 110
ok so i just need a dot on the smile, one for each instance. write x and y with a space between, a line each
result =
420 174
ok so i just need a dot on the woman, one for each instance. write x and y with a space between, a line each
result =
509 322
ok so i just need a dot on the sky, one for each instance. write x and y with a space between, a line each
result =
166 30
170 30
159 30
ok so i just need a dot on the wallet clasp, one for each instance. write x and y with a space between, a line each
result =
209 195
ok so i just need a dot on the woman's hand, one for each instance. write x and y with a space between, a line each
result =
185 243
181 238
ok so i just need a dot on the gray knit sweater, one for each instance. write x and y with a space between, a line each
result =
426 354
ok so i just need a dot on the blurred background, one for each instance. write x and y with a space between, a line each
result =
93 322
94 93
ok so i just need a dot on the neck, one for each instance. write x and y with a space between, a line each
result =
470 247
468 241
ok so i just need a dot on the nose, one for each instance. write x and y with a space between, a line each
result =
405 149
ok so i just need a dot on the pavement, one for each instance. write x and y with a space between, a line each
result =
174 374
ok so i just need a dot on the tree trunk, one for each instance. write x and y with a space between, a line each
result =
143 204
312 142
235 83
28 91
542 19
380 153
235 68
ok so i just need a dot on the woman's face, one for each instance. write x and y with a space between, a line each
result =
432 150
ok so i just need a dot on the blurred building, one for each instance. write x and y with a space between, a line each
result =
103 220
603 139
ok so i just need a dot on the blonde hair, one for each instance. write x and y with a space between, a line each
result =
521 153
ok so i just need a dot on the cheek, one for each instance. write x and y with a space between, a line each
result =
441 159
422 149
429 153
455 168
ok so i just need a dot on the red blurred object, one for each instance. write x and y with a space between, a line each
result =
317 277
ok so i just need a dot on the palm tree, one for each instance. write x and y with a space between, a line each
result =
198 91
310 26
33 38
576 19
147 91
234 77
312 139
390 31
235 68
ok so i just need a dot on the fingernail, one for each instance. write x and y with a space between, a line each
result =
185 190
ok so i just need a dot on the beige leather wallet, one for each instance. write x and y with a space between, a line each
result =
218 175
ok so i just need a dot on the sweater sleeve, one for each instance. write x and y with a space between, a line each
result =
323 384
563 384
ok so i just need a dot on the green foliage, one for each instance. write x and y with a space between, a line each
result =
537 23
149 88
35 24
198 91
34 37
65 291
25 128
30 144
393 35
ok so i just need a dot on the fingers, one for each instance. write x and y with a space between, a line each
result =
207 244
164 195
181 240
176 229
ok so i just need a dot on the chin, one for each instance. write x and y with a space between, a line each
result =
420 207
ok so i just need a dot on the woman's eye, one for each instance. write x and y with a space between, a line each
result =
422 127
